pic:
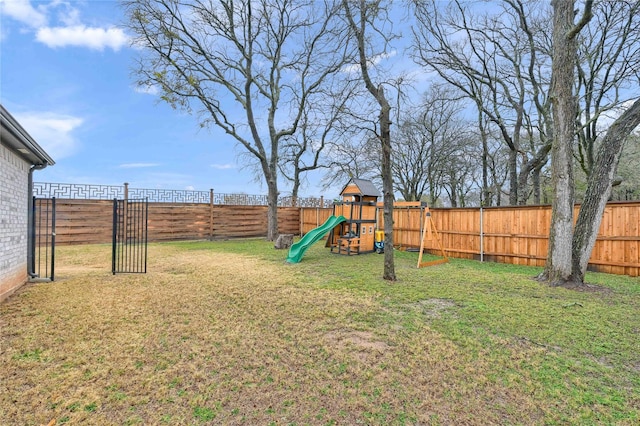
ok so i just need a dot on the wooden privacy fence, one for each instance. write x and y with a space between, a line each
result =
513 234
91 221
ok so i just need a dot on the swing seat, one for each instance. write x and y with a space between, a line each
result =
433 262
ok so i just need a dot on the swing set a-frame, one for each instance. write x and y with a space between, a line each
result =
430 233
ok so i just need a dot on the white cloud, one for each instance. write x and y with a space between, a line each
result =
150 89
189 188
83 36
69 17
22 11
137 165
610 116
355 68
70 32
52 131
223 166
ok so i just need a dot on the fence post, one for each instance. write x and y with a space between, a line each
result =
211 214
481 235
126 190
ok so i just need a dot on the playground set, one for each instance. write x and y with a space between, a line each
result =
358 207
353 227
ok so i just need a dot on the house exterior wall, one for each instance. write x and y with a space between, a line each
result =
14 177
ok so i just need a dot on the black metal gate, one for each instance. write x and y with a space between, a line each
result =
42 242
129 251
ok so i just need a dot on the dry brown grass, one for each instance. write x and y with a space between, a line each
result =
209 337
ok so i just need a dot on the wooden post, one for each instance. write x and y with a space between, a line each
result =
481 235
301 221
211 214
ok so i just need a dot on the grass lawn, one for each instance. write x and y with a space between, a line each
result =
227 333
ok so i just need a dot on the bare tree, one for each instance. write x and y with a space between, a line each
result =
357 157
250 68
428 146
461 171
354 151
412 172
361 18
321 128
559 261
608 64
497 60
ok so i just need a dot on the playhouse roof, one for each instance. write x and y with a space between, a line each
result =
366 187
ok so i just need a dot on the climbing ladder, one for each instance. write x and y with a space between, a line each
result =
430 233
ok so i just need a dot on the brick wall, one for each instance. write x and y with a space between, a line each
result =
14 174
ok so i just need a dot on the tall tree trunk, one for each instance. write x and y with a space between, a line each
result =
532 167
535 182
389 272
359 30
599 189
558 267
486 192
559 261
513 177
272 208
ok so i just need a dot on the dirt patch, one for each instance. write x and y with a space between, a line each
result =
433 308
362 343
585 287
359 339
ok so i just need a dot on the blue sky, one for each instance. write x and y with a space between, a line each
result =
65 75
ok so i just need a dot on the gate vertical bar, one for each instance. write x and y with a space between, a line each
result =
46 240
53 237
146 232
114 235
134 236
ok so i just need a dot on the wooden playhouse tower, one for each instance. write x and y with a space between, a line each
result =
358 206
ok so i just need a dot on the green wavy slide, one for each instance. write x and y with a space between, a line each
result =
298 249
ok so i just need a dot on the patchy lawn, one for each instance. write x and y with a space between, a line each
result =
226 333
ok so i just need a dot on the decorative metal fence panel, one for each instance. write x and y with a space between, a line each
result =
109 192
43 238
169 195
77 191
240 199
130 236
